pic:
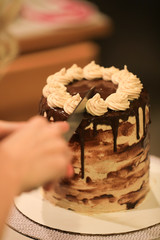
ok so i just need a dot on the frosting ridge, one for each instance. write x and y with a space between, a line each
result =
118 101
92 71
118 76
60 77
57 99
108 72
71 103
74 72
131 86
52 87
96 106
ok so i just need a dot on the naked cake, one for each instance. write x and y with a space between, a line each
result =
111 145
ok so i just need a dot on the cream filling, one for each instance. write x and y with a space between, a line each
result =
132 138
103 127
99 171
129 140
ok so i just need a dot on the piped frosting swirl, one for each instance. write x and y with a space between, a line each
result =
75 72
61 77
129 88
108 72
92 71
52 87
58 99
130 85
71 103
96 106
118 101
118 76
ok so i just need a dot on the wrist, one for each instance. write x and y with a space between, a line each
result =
10 177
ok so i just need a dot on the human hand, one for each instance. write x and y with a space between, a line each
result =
7 128
36 153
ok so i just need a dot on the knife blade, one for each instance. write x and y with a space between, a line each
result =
76 117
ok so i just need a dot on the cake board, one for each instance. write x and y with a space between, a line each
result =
37 218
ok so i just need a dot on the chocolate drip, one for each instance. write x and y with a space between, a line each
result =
114 125
144 120
94 128
137 122
81 136
105 88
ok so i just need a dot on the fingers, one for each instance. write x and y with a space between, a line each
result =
70 171
46 132
51 184
59 163
58 127
7 128
62 126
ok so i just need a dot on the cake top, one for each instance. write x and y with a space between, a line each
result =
116 88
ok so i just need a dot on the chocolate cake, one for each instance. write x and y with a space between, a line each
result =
111 145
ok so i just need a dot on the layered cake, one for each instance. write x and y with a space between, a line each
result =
111 145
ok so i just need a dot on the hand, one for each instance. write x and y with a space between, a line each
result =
7 128
36 153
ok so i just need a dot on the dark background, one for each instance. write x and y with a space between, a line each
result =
135 42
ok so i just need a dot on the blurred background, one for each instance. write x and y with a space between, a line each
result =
136 42
52 34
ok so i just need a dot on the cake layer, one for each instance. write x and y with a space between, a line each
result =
107 180
119 190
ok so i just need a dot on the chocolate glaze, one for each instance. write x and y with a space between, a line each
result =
104 88
137 123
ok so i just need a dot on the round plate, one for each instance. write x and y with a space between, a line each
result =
147 214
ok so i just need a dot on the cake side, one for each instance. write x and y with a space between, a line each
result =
111 160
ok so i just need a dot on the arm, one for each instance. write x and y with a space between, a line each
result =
8 190
32 156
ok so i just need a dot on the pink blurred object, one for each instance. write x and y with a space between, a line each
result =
53 11
43 24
